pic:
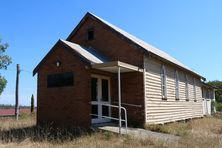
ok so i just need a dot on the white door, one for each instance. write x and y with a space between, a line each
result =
204 106
100 94
209 106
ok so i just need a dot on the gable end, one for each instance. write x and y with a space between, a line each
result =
66 47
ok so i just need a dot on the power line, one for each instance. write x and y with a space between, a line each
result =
26 71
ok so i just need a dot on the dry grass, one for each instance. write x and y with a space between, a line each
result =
24 133
202 133
176 128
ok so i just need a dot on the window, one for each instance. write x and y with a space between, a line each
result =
194 90
90 34
176 85
186 88
58 63
60 80
163 83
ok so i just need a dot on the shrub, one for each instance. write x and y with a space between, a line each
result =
219 106
213 105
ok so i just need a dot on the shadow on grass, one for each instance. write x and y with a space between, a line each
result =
46 133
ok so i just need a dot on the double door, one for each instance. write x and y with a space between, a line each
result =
100 94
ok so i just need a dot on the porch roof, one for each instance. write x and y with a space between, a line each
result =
208 86
114 65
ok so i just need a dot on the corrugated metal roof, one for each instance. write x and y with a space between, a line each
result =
145 45
88 53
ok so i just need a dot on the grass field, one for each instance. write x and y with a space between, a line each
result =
9 111
205 132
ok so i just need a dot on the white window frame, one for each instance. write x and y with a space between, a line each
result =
194 90
187 88
163 83
177 96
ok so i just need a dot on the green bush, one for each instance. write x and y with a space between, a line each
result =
213 104
219 107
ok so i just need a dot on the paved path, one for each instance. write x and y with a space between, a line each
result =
140 133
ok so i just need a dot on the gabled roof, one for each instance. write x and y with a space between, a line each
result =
87 54
135 40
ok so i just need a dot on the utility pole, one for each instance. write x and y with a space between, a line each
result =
17 92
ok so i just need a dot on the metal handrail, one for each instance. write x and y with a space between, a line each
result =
115 106
128 104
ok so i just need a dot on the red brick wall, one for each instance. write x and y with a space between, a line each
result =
70 105
65 105
108 43
131 93
111 45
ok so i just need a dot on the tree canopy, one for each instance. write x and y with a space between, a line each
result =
5 60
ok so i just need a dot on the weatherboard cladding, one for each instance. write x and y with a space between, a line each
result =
160 111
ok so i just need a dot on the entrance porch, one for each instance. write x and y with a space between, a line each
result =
123 89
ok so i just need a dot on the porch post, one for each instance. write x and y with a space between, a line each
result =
119 100
214 101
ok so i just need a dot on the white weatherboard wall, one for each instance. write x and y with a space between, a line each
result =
159 111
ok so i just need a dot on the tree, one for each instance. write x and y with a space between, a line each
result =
32 104
3 83
218 93
5 60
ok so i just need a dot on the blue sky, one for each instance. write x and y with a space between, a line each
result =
188 30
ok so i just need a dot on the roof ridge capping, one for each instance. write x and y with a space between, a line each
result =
138 42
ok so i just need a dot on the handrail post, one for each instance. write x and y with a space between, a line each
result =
119 99
125 119
115 106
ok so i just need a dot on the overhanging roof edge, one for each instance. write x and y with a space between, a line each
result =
116 64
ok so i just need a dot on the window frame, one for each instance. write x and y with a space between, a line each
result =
88 35
60 77
177 85
194 90
202 92
163 83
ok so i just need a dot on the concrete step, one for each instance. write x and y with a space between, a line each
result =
137 132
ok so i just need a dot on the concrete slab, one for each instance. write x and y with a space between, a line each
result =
139 133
